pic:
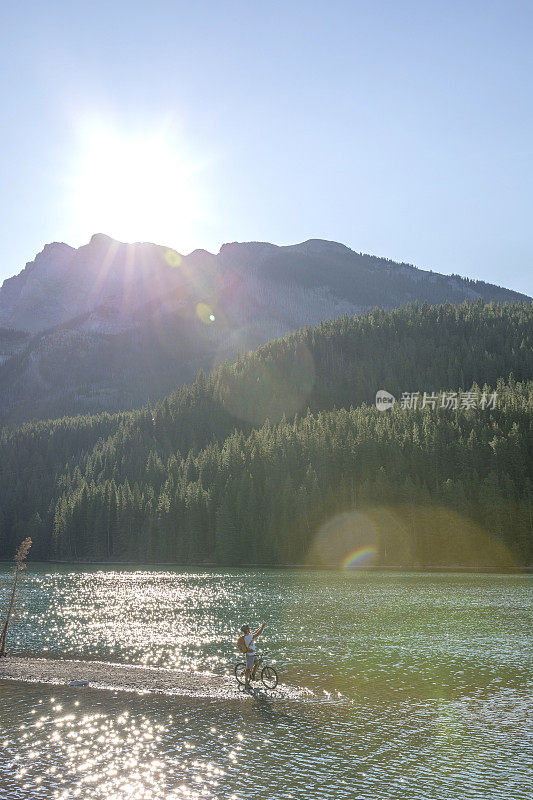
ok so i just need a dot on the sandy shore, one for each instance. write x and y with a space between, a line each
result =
101 675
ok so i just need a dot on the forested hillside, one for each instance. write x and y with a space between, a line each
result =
281 457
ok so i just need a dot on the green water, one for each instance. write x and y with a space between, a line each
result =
395 686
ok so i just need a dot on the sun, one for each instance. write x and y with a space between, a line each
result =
134 187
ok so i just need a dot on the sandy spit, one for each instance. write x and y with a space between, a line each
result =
102 675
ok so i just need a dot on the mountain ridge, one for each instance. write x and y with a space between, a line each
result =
110 325
119 267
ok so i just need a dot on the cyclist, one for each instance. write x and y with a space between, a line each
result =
246 644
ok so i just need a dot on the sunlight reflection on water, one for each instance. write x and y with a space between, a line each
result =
429 676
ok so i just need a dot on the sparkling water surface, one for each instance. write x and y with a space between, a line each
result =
404 686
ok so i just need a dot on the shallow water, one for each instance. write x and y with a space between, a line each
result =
409 686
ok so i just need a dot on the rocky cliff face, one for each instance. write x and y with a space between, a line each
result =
109 325
63 282
118 284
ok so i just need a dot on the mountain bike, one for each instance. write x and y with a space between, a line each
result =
269 676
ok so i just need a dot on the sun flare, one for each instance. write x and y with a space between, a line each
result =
135 187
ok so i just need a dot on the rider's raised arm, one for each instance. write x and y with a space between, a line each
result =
259 631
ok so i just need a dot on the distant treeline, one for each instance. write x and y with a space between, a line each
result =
282 458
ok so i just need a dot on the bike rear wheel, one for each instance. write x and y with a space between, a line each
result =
269 677
240 673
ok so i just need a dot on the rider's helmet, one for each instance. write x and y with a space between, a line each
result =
245 628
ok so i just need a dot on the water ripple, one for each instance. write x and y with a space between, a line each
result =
407 687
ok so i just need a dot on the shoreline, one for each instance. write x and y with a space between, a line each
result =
486 570
79 674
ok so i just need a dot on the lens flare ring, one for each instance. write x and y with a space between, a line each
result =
359 556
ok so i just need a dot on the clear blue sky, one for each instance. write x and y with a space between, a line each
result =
399 128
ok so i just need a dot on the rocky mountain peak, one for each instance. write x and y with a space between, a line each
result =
54 252
246 254
319 246
101 240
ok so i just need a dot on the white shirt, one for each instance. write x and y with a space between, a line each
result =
249 641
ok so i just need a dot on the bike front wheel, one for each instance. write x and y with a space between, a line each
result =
240 673
269 677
